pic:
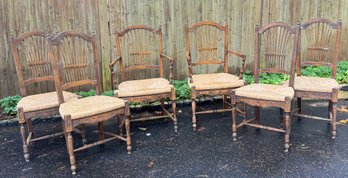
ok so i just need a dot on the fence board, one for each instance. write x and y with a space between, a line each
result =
102 17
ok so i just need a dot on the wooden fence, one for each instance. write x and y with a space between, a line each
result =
103 17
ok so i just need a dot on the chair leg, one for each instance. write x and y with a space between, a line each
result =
101 130
83 134
329 114
224 100
25 145
127 125
257 115
333 119
162 106
299 107
119 125
173 98
70 147
194 120
22 123
234 115
287 127
281 118
30 127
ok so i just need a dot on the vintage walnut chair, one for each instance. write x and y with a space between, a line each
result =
76 55
205 51
272 44
140 53
31 55
321 48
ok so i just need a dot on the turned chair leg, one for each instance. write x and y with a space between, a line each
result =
22 129
299 107
234 115
224 100
70 147
329 114
119 125
193 102
83 134
257 115
287 127
162 106
30 127
173 98
127 126
333 119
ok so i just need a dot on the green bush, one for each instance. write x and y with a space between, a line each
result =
9 103
265 78
84 94
182 89
342 72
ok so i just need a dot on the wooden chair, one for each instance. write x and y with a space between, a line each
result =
205 51
77 54
140 53
272 44
321 49
30 53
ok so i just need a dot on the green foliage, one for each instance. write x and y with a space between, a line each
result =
84 94
342 72
182 89
265 78
108 93
8 104
316 71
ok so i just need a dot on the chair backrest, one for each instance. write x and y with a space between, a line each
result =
273 52
31 56
139 47
206 48
321 45
75 62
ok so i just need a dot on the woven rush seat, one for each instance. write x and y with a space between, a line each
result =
314 84
143 87
266 92
90 106
43 101
216 81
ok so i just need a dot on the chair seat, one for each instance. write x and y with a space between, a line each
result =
216 81
143 87
266 92
314 84
90 106
43 101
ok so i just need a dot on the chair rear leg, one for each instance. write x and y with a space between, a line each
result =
329 114
162 106
224 100
287 131
281 118
119 125
299 107
173 98
30 127
101 131
83 134
257 115
333 119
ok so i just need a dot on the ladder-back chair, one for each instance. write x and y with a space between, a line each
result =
203 49
76 65
31 56
140 57
321 44
273 43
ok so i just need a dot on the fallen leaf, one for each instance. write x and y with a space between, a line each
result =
342 109
150 164
344 121
200 129
179 111
142 128
148 134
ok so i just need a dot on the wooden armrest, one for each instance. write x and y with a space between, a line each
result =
237 54
112 64
170 58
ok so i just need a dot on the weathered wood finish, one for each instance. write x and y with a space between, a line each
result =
70 70
139 47
274 42
205 51
321 48
30 53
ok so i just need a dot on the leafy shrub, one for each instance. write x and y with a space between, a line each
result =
265 78
182 89
342 72
84 94
9 103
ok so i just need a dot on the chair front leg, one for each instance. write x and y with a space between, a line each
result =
234 115
287 131
22 129
68 129
173 98
119 125
257 114
299 107
101 131
224 100
333 119
30 127
193 102
127 127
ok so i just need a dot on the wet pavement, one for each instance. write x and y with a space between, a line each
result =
209 152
